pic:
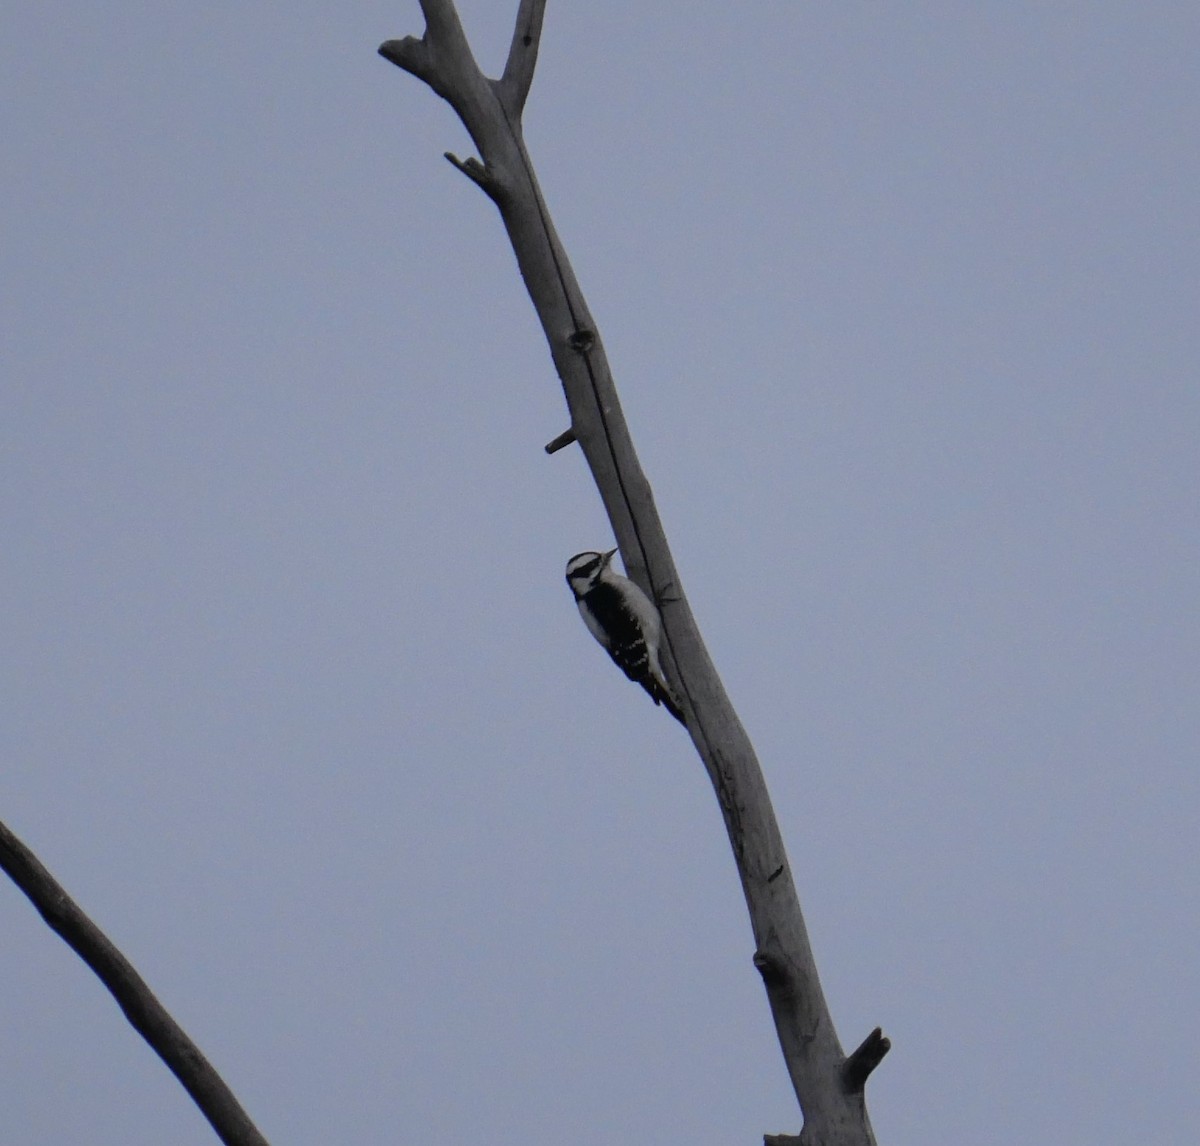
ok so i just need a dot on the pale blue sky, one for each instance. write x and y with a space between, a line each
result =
902 301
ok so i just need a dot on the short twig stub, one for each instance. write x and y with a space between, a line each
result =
865 1059
564 439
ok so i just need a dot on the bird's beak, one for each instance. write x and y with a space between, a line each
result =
609 556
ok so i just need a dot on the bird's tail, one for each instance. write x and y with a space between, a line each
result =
661 693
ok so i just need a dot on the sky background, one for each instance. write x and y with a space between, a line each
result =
903 304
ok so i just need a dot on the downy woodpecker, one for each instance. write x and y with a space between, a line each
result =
624 620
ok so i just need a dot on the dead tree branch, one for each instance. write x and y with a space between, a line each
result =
834 1111
146 1014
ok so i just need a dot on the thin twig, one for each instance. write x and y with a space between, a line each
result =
146 1014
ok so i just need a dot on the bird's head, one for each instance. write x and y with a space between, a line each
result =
585 569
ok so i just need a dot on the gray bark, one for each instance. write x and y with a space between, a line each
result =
828 1085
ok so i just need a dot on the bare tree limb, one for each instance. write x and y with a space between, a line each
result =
522 57
146 1014
834 1115
444 25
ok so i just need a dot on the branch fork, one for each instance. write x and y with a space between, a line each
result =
442 59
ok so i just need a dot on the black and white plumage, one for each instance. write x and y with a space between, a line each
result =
624 620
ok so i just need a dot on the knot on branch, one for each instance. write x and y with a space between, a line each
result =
773 970
857 1068
582 341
